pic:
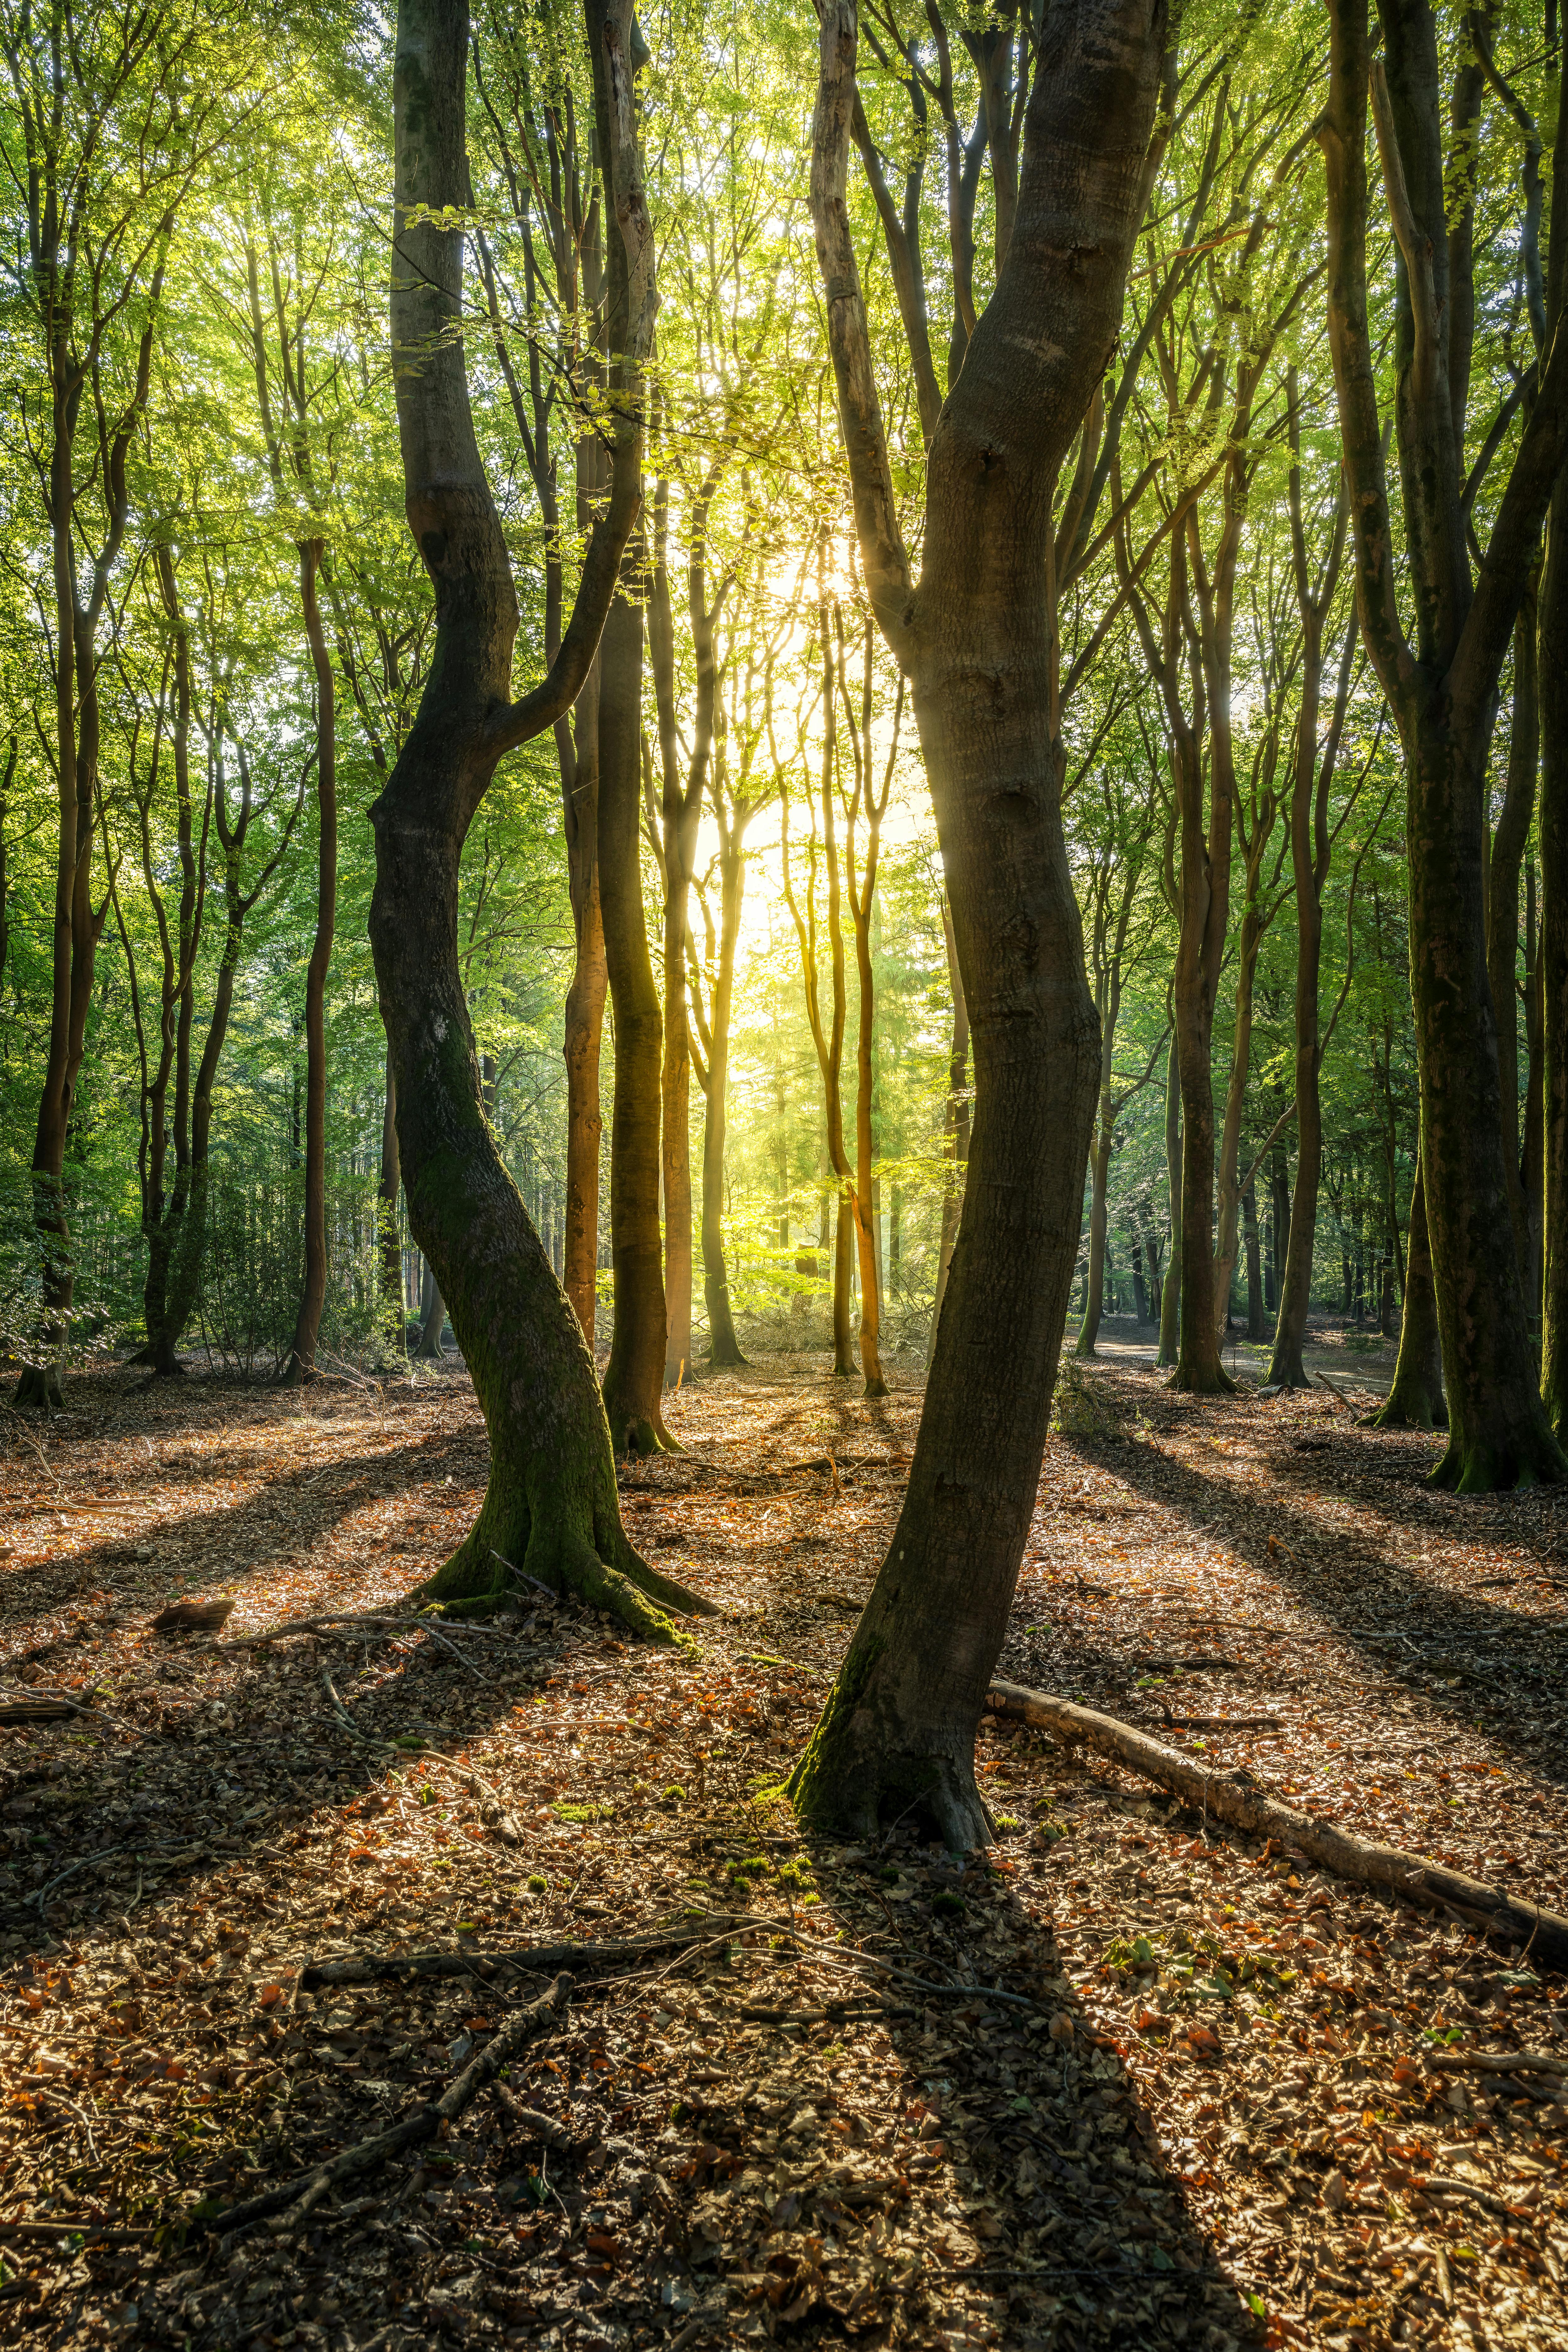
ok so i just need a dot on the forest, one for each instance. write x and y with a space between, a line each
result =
783 1173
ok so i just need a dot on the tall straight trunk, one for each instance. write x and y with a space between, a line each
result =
976 637
432 1317
1503 870
1229 1236
550 1508
955 1125
1533 1158
675 1112
723 1347
584 1025
1171 1293
1551 955
1416 1400
1442 689
1254 1323
387 1193
1100 1181
634 1377
301 1361
843 1290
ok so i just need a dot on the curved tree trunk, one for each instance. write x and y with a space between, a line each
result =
976 637
1416 1400
549 1506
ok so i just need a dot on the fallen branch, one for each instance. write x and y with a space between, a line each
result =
301 2195
1222 1722
368 1968
422 1624
1494 2062
1237 1800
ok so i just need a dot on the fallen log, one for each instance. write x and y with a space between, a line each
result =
1236 1799
295 2200
367 1967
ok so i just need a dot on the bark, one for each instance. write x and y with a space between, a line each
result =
1236 1799
301 1361
1416 1400
1441 686
1099 1180
1170 1291
387 1193
1553 961
843 1287
551 1508
1504 865
955 1126
432 1317
723 1347
1254 1329
634 1377
584 1025
675 815
976 638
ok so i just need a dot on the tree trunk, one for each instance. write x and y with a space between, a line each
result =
955 1126
432 1317
1205 898
1551 956
1503 868
1442 689
1100 1181
634 1377
1235 1095
1254 1323
1170 1291
584 1031
551 1508
301 1364
1416 1400
387 1211
723 1347
976 637
843 1286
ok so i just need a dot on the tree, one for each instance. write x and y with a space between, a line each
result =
973 634
551 1507
1441 685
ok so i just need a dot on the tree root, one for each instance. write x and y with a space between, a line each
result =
479 1575
1236 1799
301 2195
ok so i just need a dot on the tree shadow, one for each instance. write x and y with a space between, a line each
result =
1465 1655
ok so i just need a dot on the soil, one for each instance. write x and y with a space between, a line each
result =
1119 2080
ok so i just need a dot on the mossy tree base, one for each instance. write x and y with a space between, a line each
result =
1472 1466
1411 1404
867 1764
1203 1380
40 1385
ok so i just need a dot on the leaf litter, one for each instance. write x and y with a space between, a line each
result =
1121 2081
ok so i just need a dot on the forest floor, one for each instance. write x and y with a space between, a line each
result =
1123 2081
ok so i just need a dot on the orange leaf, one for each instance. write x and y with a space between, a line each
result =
270 1994
1201 2037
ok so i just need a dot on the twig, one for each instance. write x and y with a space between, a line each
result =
369 1967
354 1617
1495 2062
301 2195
